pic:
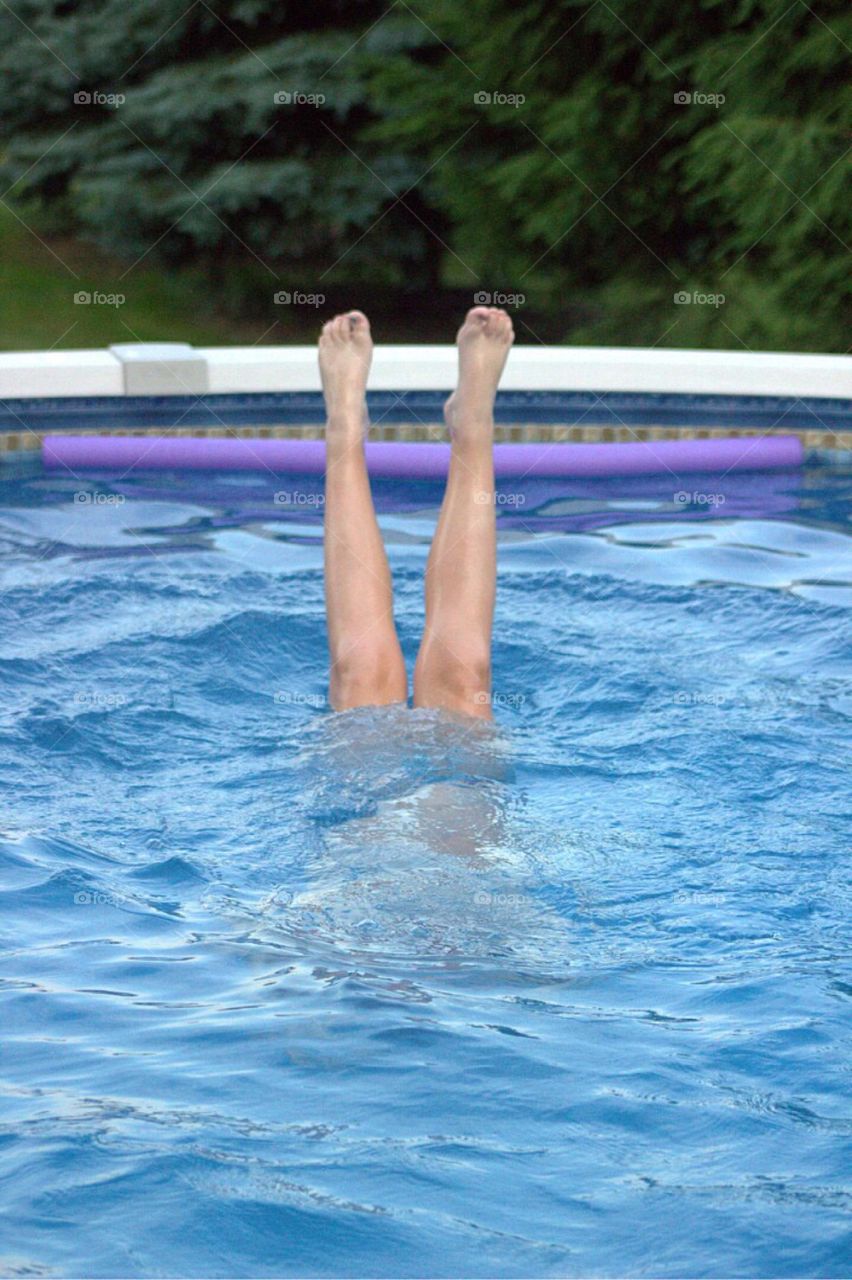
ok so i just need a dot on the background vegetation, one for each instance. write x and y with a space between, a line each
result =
636 173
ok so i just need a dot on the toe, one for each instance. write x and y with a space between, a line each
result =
502 324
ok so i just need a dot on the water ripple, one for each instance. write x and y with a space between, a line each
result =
388 994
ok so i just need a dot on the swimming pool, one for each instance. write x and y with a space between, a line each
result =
287 994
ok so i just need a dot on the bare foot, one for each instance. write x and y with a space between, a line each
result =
483 341
345 354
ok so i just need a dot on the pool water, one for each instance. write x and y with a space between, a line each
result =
387 994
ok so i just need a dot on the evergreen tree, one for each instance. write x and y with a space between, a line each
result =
604 194
583 181
237 144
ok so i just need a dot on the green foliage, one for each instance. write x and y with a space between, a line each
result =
200 163
589 188
600 188
39 310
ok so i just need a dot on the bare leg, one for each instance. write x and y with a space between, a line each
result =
367 667
454 664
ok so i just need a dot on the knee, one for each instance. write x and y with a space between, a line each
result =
469 673
367 676
457 677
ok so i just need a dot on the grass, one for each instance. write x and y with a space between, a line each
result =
40 275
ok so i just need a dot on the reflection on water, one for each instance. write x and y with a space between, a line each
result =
530 505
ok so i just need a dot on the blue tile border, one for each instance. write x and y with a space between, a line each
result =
568 408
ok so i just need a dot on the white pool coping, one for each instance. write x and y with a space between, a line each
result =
247 370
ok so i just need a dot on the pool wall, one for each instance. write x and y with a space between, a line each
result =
548 394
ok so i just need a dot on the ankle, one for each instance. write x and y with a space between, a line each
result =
473 435
345 422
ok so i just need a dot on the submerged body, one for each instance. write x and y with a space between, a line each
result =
418 840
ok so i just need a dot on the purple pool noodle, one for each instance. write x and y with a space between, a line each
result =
420 460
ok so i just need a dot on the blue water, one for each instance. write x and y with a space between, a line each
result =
382 994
